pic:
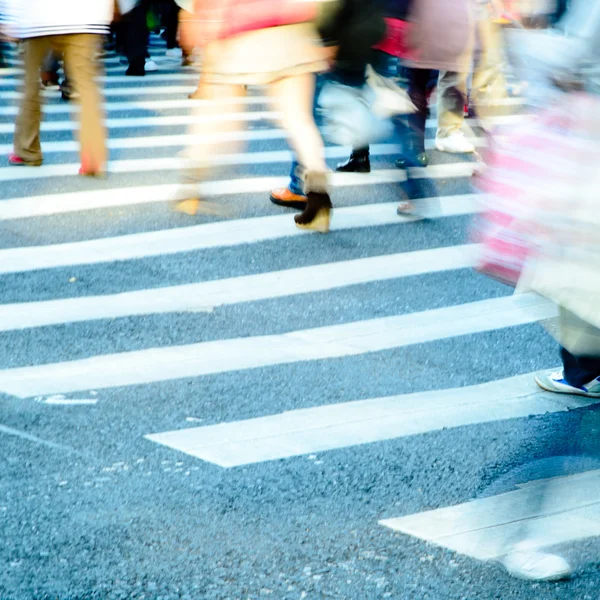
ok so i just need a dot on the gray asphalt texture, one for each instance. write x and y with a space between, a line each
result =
89 509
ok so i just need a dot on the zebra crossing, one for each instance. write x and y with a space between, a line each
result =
290 295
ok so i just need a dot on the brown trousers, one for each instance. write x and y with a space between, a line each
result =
79 51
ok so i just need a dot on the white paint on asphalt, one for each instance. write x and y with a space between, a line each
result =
222 356
188 119
184 140
538 515
250 288
149 80
223 233
334 426
170 164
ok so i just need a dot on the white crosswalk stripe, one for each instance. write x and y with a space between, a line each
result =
544 514
322 428
57 224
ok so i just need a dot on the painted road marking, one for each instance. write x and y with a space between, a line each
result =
335 426
187 119
457 169
183 140
552 512
250 288
220 234
221 356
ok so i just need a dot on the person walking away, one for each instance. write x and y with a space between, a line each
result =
241 49
76 30
135 27
353 26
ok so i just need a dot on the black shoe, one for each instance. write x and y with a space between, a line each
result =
357 163
135 71
67 92
421 160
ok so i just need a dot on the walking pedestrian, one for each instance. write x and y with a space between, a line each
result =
74 29
241 49
353 28
135 30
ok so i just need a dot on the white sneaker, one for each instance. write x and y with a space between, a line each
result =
556 382
455 143
174 53
536 566
150 66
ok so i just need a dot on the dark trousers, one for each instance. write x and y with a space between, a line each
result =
420 83
579 370
136 38
170 20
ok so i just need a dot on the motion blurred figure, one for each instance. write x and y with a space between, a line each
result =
260 42
73 29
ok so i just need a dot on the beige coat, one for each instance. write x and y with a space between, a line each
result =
443 34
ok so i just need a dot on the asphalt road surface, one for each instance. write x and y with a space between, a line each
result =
224 407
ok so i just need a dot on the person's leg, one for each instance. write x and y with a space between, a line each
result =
451 99
293 98
489 84
579 370
136 39
27 125
80 63
293 195
412 133
171 23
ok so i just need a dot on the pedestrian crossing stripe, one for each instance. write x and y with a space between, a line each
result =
222 356
137 122
537 515
170 141
149 80
207 295
448 170
221 234
335 426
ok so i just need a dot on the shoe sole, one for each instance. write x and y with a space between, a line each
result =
25 164
352 171
547 388
297 204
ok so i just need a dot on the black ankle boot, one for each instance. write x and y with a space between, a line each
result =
317 214
359 162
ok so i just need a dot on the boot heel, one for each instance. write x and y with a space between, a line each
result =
320 222
317 214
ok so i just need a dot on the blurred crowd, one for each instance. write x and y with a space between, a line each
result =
354 72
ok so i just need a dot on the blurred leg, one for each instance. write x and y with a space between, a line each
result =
80 62
171 22
452 95
489 85
293 98
136 38
414 138
27 125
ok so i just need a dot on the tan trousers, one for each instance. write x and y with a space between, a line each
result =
79 51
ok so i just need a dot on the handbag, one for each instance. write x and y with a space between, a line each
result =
527 175
349 117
